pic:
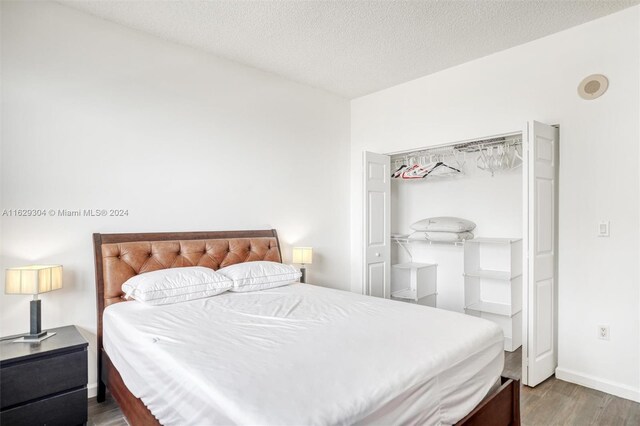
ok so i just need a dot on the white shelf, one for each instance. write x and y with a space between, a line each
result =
493 275
404 294
485 240
492 308
408 294
413 265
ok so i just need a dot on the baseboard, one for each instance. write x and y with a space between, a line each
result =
92 390
617 389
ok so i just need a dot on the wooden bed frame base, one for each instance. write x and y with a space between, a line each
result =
133 408
501 408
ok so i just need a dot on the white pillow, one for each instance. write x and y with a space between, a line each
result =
175 285
449 237
261 275
444 224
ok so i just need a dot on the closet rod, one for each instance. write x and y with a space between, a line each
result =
487 143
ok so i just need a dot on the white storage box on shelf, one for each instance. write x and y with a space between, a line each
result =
415 283
493 284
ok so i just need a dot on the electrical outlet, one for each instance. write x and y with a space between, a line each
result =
603 332
603 229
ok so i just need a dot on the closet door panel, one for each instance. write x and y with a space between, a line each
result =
545 216
544 319
377 252
376 228
540 350
377 272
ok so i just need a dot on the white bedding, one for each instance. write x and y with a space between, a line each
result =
302 355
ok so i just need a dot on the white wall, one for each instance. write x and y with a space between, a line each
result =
493 203
99 116
599 178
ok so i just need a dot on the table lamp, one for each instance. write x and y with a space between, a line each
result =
303 256
34 279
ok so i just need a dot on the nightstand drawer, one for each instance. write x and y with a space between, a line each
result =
66 409
36 378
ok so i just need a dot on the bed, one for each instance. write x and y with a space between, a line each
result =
297 354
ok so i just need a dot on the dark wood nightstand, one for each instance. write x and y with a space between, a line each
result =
44 383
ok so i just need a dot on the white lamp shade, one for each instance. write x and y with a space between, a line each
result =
303 255
33 279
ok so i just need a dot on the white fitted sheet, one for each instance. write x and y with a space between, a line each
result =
302 355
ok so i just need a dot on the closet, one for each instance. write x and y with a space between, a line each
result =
505 271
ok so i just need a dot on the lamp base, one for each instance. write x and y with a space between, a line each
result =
35 336
30 338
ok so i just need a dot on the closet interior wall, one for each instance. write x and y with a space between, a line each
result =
493 203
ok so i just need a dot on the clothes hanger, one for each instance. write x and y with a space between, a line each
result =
517 153
403 165
428 167
413 172
483 162
398 171
457 155
499 158
439 165
418 170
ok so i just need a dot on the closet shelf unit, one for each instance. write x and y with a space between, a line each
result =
493 284
415 283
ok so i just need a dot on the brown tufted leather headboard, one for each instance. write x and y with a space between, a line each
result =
123 260
119 257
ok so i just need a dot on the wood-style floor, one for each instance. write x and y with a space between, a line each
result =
106 413
553 402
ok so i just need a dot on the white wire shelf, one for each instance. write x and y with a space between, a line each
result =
426 241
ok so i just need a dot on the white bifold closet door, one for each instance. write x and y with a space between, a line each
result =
377 225
540 177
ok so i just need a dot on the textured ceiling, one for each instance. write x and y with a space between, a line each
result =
350 48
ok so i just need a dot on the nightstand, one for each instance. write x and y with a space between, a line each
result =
44 383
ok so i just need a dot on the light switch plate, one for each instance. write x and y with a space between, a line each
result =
603 229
